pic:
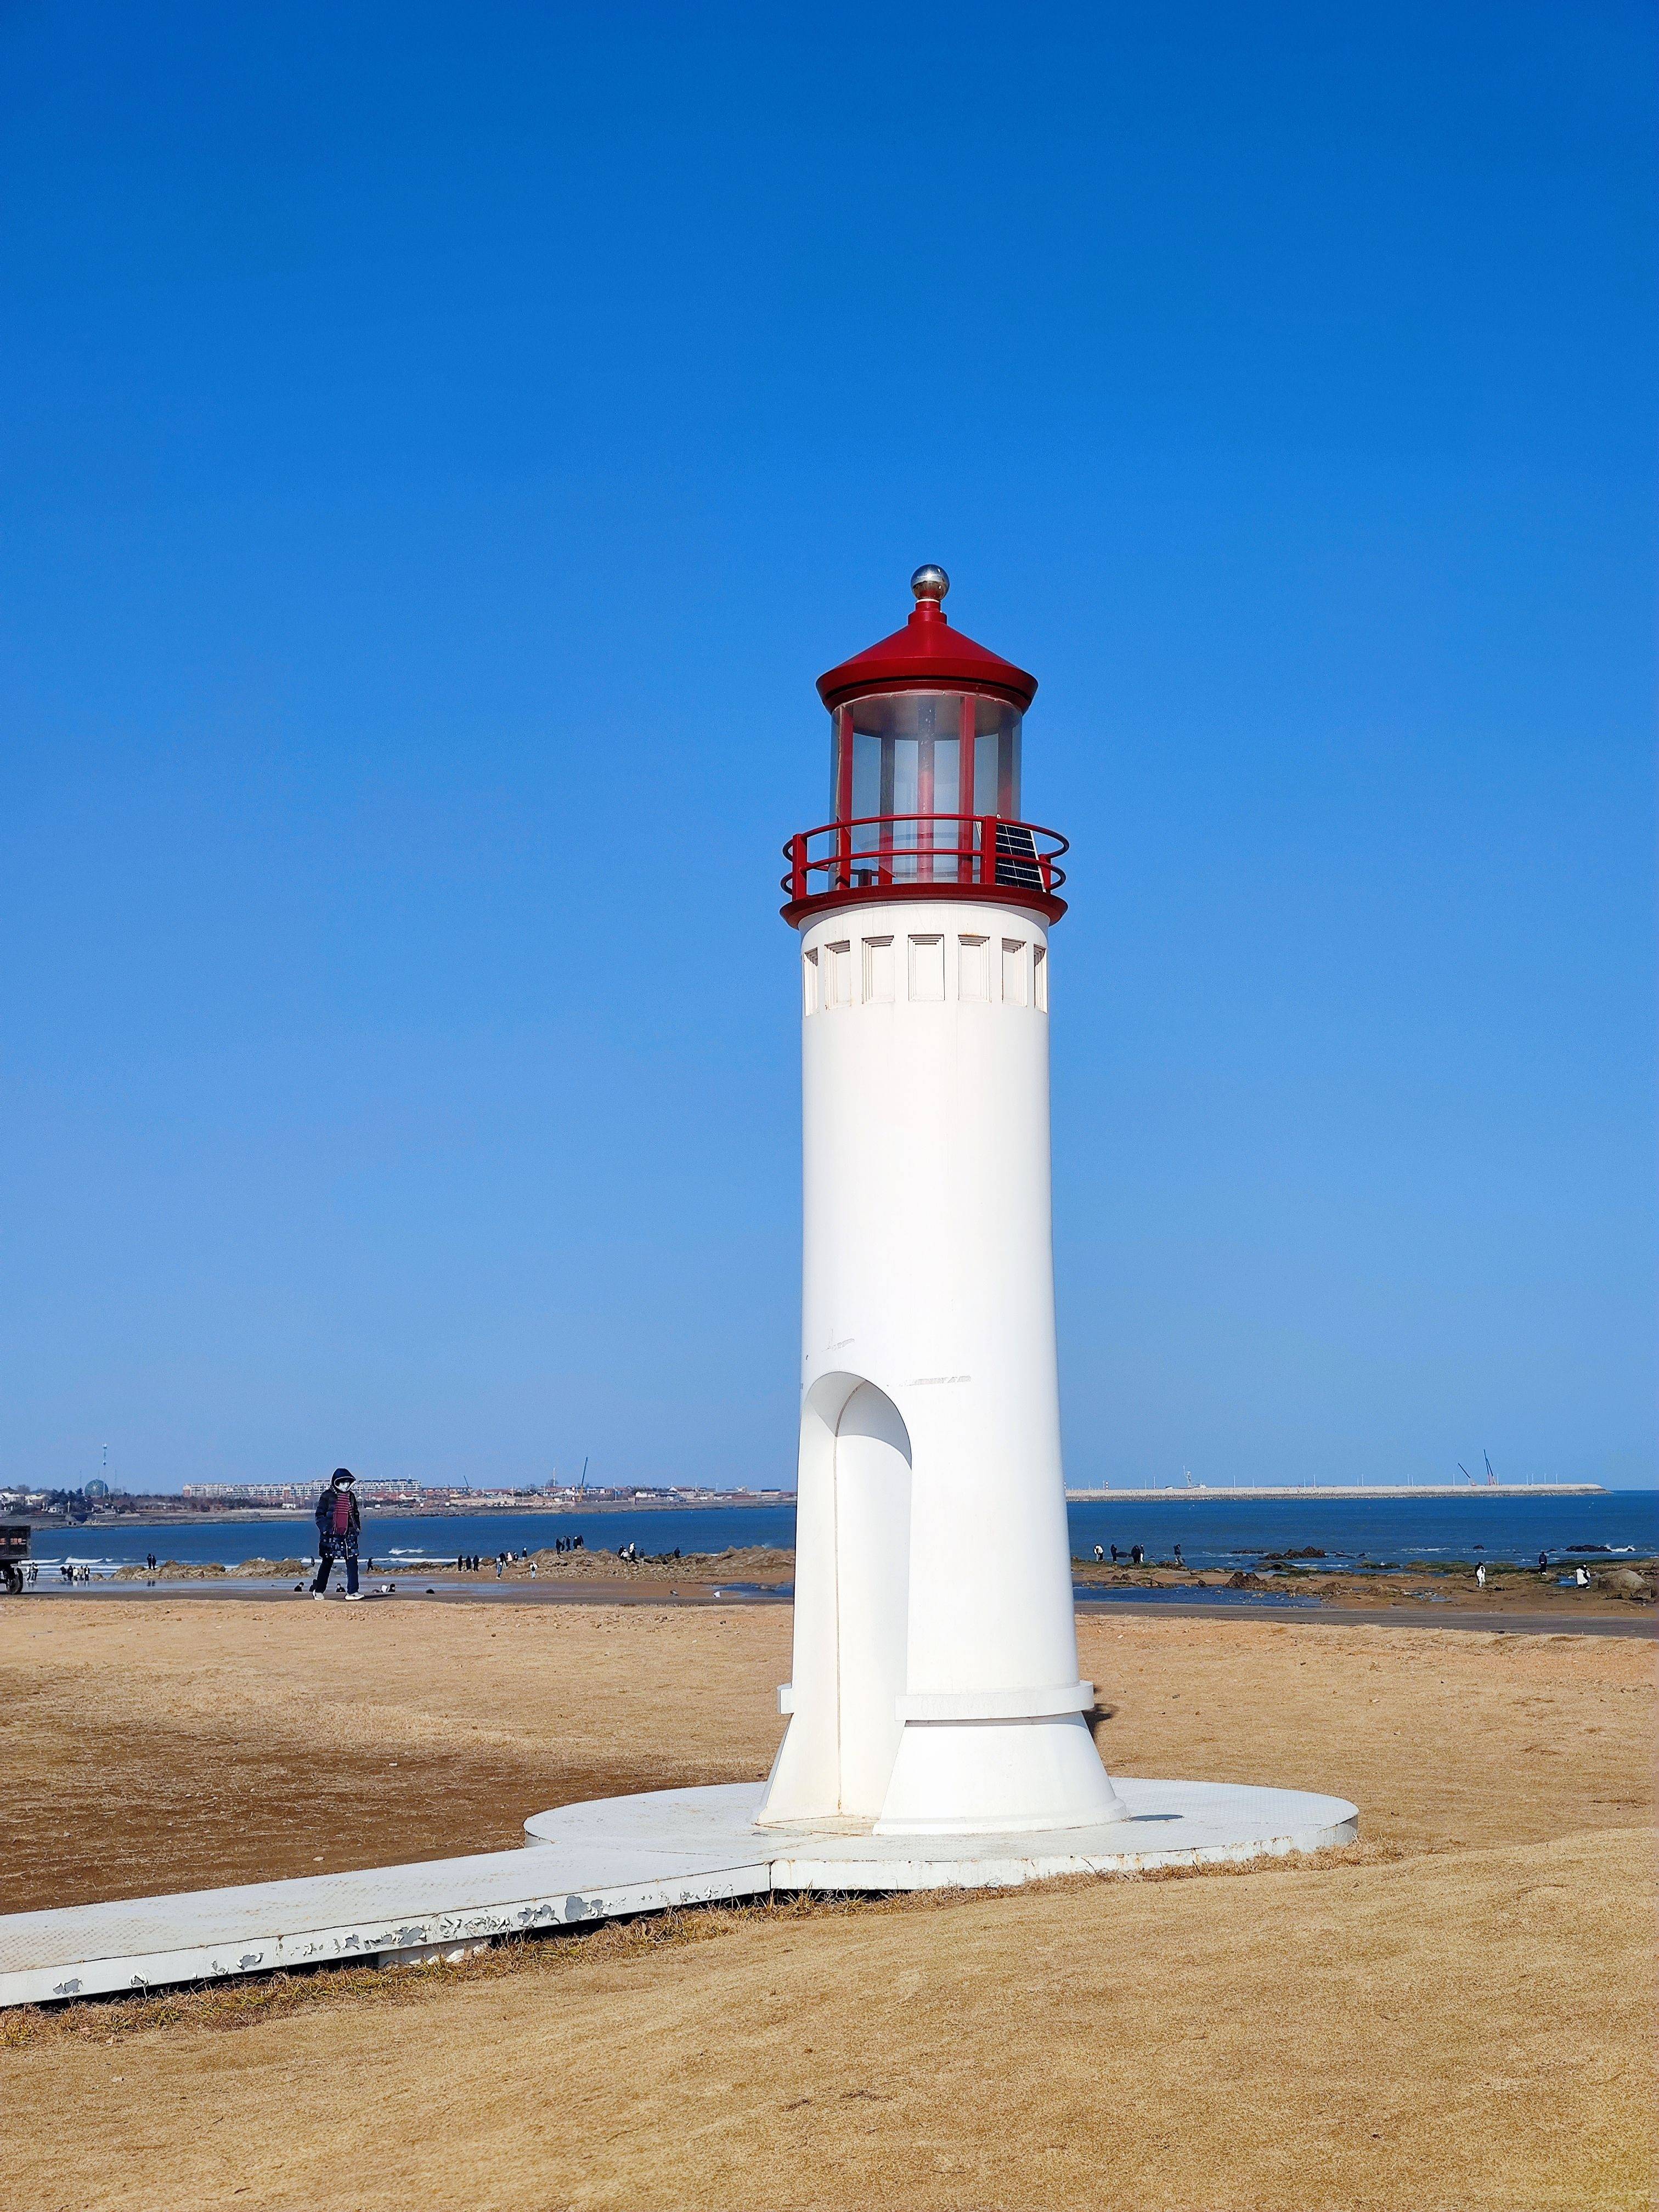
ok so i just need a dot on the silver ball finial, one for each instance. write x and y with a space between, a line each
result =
930 582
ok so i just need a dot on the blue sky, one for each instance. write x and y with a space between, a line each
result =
440 448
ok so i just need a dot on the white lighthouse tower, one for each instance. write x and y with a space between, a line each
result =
935 1684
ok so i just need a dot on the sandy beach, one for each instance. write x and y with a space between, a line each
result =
1455 2013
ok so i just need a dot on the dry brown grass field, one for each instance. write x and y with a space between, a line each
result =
1455 2014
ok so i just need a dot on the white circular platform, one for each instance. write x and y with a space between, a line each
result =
1170 1824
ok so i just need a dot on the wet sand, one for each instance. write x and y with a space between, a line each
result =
1618 1599
1455 2014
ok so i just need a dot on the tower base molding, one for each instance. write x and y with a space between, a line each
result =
1012 1776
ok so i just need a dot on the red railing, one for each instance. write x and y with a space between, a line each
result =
879 852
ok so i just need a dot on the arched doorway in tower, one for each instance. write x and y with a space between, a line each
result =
872 1585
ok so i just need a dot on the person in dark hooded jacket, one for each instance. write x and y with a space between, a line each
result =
339 1518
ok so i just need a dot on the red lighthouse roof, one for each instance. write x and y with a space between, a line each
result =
927 656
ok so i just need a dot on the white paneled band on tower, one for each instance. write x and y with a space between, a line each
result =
935 1684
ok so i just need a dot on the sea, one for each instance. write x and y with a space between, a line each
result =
1212 1532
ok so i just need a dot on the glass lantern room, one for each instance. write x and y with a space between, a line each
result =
912 772
924 753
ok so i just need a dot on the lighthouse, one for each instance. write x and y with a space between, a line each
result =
935 1687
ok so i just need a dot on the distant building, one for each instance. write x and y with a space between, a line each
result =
295 1494
445 1496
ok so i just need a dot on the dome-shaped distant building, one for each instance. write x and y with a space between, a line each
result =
96 1488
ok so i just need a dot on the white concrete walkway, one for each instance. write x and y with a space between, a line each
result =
609 1860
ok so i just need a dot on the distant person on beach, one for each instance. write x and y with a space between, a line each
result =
1115 1555
1138 1553
1178 1561
1543 1563
339 1518
1481 1576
